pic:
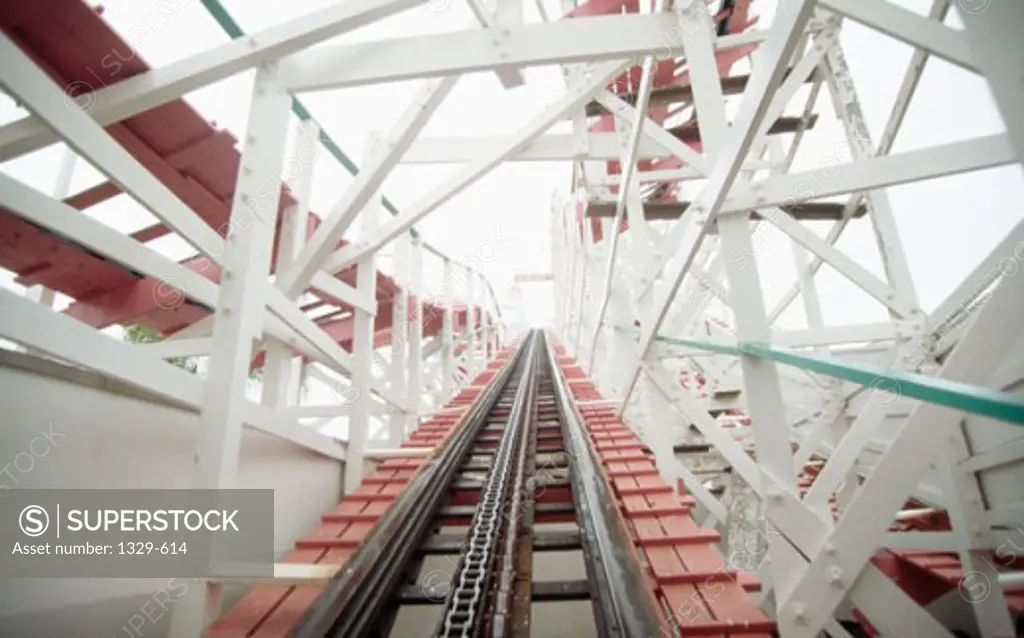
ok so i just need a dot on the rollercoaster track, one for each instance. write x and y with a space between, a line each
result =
519 458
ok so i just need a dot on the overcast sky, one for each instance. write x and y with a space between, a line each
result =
947 226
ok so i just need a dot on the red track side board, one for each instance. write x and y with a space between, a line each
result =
272 612
686 573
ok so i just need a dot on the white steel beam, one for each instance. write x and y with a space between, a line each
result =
504 13
158 86
554 146
843 264
993 35
665 143
369 179
858 135
294 328
238 316
177 348
630 134
908 86
362 342
483 164
414 336
240 307
773 58
327 351
66 339
891 480
398 365
999 262
292 236
929 163
907 26
61 188
448 336
33 88
66 221
762 387
590 39
672 175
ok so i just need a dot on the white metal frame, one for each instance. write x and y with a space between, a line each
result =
694 278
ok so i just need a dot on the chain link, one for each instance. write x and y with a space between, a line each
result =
467 597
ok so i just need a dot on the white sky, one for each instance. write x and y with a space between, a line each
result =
947 226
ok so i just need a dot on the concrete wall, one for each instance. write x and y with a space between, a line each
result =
63 428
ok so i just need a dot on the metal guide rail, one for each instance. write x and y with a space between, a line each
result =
517 461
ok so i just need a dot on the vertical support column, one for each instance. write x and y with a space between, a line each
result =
61 187
761 387
965 504
567 288
448 335
362 340
471 324
240 309
414 334
557 261
278 362
399 336
486 316
496 335
587 247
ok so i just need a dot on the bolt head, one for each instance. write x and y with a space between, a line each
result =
799 612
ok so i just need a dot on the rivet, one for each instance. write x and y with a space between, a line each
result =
835 576
799 612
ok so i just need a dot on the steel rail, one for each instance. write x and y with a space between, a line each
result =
351 601
625 609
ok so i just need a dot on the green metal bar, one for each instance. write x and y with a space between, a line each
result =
233 29
1003 406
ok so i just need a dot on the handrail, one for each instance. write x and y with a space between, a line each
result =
232 28
1003 406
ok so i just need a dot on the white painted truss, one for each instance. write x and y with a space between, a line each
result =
669 317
